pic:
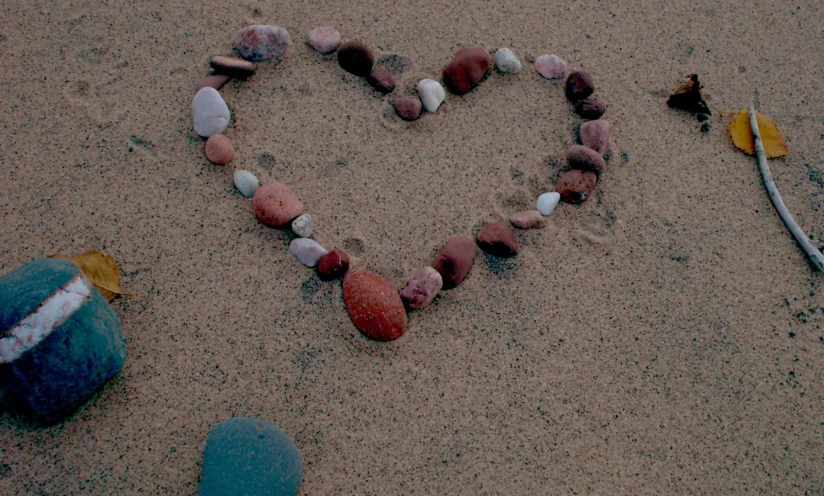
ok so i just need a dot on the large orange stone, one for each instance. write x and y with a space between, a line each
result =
374 305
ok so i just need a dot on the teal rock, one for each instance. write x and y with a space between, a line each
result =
250 457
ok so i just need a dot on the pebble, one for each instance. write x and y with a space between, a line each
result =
355 57
215 81
210 115
232 66
551 66
302 226
507 62
548 201
219 149
422 288
431 93
589 109
579 85
374 305
246 183
455 260
275 205
467 69
595 135
333 265
498 239
408 107
584 158
258 42
528 219
307 250
251 457
324 39
382 80
576 186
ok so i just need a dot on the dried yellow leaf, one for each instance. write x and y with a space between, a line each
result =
101 270
743 139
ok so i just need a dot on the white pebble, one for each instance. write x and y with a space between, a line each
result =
210 114
507 62
551 66
302 226
432 94
307 250
547 202
246 183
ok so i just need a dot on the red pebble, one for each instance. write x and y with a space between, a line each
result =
579 85
584 158
374 305
576 186
498 239
408 107
333 265
382 80
467 69
355 57
455 260
275 205
219 149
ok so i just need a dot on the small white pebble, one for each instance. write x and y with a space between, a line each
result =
547 202
246 183
507 62
307 250
431 93
302 226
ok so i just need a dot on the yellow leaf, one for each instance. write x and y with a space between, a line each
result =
101 270
743 139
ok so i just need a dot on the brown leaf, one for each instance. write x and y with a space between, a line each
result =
688 97
101 270
743 139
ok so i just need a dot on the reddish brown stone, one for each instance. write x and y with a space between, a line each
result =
374 305
219 149
232 66
579 85
498 239
528 219
355 57
584 158
589 109
382 80
333 265
455 260
576 186
467 69
275 205
595 135
215 81
422 288
408 107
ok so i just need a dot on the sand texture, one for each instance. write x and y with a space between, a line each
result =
664 337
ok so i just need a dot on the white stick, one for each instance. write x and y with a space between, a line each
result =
811 250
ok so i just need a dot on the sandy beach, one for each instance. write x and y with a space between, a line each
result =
664 337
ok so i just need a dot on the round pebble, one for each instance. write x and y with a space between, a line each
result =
422 288
258 43
210 114
576 186
246 183
547 202
455 260
307 250
589 109
215 81
232 66
507 62
275 205
324 39
333 265
382 80
579 85
355 57
528 219
302 226
498 239
467 69
408 108
595 135
374 305
551 66
584 158
219 149
431 93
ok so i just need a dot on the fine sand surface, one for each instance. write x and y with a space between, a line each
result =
663 338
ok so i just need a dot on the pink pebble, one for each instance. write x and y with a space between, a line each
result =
422 288
551 66
528 219
324 39
219 149
595 135
258 43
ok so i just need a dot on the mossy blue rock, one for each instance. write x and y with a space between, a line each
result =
250 457
59 339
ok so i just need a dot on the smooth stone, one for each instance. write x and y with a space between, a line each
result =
467 69
579 85
431 93
551 66
576 186
302 226
210 114
455 260
219 149
528 219
307 250
548 201
584 158
408 107
355 57
498 239
333 265
275 205
422 288
250 457
595 135
507 62
258 42
589 109
374 305
382 80
215 81
246 183
232 66
324 39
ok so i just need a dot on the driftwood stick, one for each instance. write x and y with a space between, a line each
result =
811 250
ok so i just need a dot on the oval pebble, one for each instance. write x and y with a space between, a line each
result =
579 85
408 107
507 62
589 109
275 205
422 288
324 39
232 66
210 115
431 93
584 158
215 81
528 219
333 265
258 42
548 201
595 135
382 80
374 305
307 250
246 183
498 239
219 149
467 69
355 57
302 226
551 66
455 260
576 186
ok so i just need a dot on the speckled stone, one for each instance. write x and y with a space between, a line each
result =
507 62
275 205
584 158
302 226
576 186
374 305
258 42
422 288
